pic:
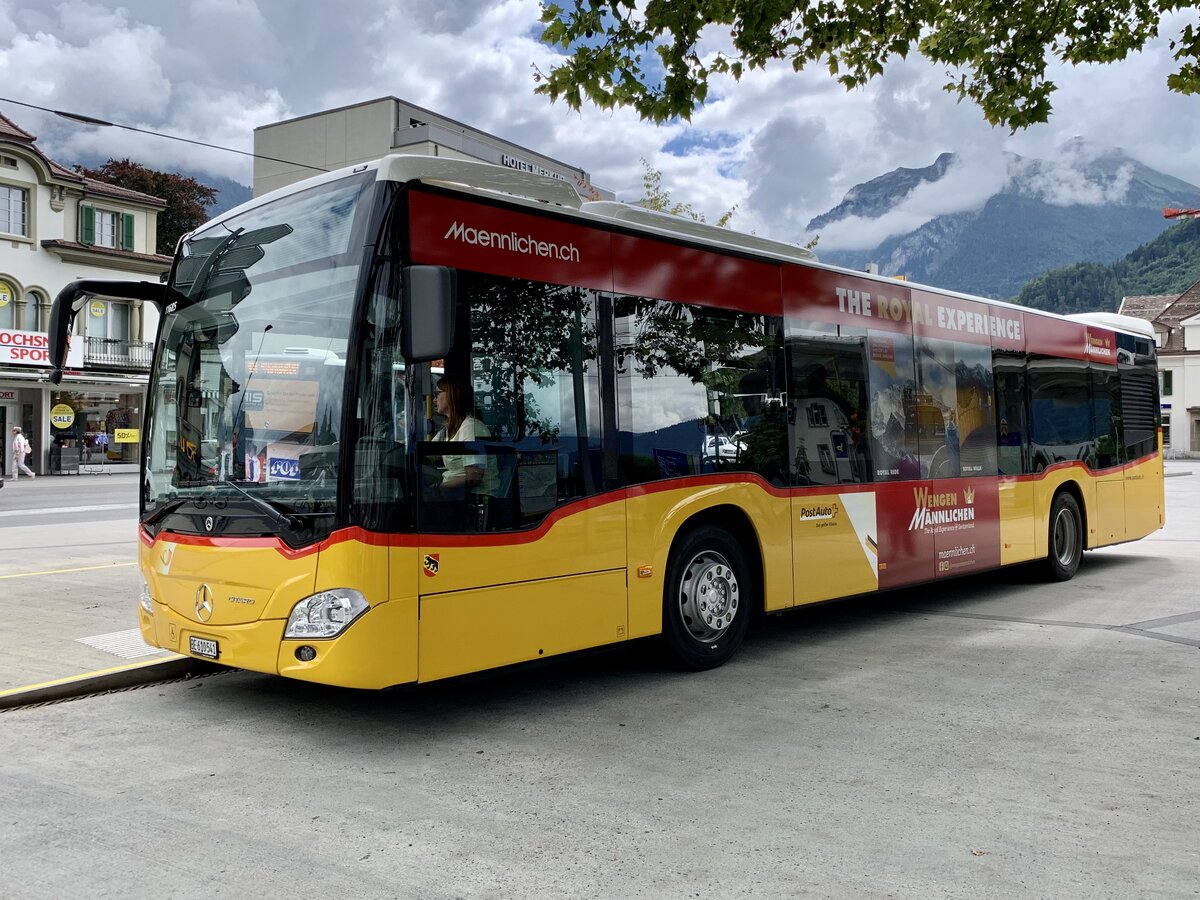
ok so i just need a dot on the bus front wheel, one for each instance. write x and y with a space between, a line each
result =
1066 538
707 599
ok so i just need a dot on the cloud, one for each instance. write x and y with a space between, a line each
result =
791 165
8 26
969 182
782 146
1066 178
47 67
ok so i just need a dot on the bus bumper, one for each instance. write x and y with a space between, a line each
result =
377 650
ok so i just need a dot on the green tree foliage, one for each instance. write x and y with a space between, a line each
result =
659 199
648 56
1169 264
529 331
187 199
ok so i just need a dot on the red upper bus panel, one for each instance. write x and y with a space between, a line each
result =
1055 337
645 267
1101 345
838 299
447 231
951 318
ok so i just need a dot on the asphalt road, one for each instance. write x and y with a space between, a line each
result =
69 500
991 737
68 555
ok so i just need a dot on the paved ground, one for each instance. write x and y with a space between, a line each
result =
991 737
68 548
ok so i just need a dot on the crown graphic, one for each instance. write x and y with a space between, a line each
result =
969 493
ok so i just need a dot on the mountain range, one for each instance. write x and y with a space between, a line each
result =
1025 241
1169 264
229 193
1087 205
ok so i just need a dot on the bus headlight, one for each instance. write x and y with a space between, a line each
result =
326 614
144 598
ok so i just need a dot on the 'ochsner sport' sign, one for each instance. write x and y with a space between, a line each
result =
512 242
29 348
32 348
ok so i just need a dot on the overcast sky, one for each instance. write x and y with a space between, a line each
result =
781 147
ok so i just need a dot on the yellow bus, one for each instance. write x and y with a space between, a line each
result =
427 417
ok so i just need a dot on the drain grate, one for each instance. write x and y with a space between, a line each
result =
125 644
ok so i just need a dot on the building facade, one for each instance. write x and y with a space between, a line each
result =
1176 322
57 226
295 149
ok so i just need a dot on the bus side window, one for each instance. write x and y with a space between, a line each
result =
700 390
1061 424
380 448
1012 430
528 351
828 388
1106 410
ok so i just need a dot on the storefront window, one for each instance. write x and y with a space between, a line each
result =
100 428
8 304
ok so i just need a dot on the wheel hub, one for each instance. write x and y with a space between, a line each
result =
1064 537
708 596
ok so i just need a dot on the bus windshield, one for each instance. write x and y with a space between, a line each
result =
246 396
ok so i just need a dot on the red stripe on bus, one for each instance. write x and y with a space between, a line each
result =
512 538
1079 464
692 481
341 536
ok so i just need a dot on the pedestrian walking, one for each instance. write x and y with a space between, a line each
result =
20 449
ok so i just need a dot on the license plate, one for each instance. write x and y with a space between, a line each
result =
205 647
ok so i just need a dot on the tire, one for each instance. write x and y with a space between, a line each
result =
708 598
1065 541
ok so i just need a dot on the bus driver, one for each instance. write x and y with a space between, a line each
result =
454 401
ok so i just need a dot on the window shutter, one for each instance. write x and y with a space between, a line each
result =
127 231
87 224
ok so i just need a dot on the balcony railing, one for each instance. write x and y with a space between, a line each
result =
114 353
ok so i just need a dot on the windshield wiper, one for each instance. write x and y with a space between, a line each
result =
270 510
209 265
165 510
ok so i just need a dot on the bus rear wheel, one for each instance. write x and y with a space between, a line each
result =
707 599
1065 543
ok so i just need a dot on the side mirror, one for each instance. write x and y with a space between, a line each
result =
429 296
72 298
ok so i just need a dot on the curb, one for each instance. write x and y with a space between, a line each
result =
115 679
1176 474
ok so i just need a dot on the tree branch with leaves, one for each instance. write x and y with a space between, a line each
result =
187 199
996 52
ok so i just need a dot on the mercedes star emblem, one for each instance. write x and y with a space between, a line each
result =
208 523
204 603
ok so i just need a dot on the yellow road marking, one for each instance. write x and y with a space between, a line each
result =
63 571
86 675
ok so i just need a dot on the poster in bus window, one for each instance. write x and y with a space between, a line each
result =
283 462
893 419
256 464
976 410
956 430
937 409
288 407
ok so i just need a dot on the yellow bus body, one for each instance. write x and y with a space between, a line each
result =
591 575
